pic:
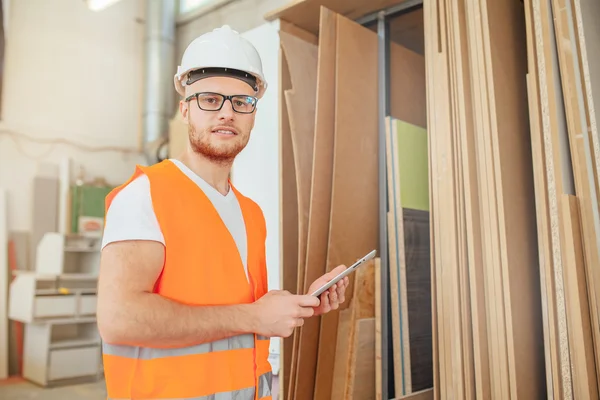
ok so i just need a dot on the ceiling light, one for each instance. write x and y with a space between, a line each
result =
97 5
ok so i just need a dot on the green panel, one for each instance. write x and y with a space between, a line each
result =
412 161
87 200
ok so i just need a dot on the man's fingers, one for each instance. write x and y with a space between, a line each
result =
335 301
325 302
341 293
308 301
306 312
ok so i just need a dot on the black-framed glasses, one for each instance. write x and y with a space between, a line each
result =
209 101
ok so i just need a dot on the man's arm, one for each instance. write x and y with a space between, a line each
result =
129 313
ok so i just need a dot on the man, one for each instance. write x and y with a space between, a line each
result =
183 306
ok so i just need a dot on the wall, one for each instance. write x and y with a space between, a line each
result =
71 76
256 169
241 15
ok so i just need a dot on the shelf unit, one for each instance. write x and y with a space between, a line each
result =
57 304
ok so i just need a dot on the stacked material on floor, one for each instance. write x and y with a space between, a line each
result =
514 197
493 188
330 208
563 83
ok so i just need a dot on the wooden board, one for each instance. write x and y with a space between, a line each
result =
289 215
305 13
354 207
362 364
320 199
553 131
579 327
300 101
407 86
578 122
378 347
347 358
546 263
472 213
398 305
586 14
517 224
430 48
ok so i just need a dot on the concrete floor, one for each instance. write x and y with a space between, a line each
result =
24 390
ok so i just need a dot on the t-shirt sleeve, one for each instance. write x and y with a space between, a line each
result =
131 215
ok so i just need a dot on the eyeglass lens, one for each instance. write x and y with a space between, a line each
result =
214 101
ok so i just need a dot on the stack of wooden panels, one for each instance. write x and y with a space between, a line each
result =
486 289
514 197
330 211
563 83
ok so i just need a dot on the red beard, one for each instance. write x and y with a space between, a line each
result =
221 153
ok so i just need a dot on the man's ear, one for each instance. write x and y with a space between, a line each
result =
184 110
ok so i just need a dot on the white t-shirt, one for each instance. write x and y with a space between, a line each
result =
131 214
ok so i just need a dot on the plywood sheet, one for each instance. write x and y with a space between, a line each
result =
362 365
397 278
581 144
407 87
301 56
579 325
354 207
472 219
517 224
320 198
289 215
587 15
553 133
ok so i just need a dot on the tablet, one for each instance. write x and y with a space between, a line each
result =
344 273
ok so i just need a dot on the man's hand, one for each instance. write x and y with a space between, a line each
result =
278 312
335 295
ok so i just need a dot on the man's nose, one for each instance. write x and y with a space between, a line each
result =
226 111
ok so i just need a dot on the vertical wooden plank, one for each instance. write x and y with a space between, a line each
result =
289 217
356 129
557 162
320 198
507 60
578 318
378 355
300 101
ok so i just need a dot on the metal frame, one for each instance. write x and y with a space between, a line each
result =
382 19
384 105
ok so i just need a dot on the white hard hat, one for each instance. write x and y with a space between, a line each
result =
221 50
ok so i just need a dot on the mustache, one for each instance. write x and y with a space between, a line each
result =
225 126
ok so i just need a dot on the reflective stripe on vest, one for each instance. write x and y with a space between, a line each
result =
145 353
264 390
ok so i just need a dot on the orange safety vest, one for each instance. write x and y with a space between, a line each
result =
202 267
